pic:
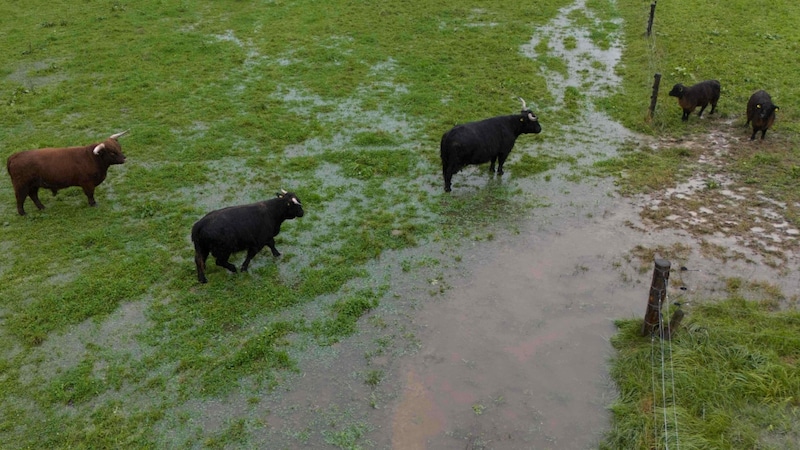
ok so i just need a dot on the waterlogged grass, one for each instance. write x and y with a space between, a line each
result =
734 376
642 170
108 340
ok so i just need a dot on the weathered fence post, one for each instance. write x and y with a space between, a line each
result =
650 21
674 323
658 293
654 96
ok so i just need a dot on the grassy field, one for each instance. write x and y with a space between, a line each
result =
106 335
107 338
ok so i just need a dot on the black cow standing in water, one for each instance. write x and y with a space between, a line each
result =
488 140
237 228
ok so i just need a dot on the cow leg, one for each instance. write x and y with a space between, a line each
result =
501 161
763 132
34 195
222 261
271 245
702 108
20 193
491 166
713 107
251 252
88 189
447 177
685 116
200 256
449 171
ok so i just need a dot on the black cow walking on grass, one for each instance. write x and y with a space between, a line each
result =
700 94
484 141
246 227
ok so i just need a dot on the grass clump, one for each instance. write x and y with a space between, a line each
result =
642 170
733 371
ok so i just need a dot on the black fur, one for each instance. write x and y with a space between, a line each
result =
761 111
700 94
237 228
484 141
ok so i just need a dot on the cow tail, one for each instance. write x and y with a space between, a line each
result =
443 153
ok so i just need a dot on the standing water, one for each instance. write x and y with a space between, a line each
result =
515 356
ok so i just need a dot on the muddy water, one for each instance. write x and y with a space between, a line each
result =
515 356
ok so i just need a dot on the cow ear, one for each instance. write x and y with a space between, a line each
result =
279 195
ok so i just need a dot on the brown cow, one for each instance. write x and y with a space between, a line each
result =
59 168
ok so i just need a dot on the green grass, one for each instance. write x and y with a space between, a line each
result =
107 338
641 170
731 381
736 42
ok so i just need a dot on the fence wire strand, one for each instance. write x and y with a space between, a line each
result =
659 363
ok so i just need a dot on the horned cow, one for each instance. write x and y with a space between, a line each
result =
245 227
488 140
59 168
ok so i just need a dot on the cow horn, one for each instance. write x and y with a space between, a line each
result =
524 106
295 201
99 147
283 191
115 136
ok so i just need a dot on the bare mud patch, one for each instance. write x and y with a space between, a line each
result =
719 207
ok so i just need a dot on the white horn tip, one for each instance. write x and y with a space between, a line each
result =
118 135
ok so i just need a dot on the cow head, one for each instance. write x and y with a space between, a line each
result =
764 110
529 120
293 206
677 91
109 150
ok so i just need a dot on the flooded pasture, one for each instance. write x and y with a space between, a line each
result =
506 344
500 341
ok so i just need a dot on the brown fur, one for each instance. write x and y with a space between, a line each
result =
59 168
700 94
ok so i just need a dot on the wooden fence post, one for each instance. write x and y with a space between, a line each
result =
654 96
658 293
652 14
674 323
